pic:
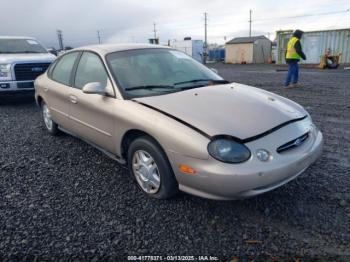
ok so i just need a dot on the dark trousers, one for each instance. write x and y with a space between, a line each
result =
293 73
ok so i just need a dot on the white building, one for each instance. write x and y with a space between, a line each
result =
193 48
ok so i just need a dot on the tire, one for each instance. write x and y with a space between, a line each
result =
50 125
155 181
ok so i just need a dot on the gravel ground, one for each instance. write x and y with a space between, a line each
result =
59 196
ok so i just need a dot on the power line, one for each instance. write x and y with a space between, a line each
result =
303 15
285 17
87 35
216 24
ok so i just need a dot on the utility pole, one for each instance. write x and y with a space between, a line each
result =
98 36
154 30
60 39
205 38
250 23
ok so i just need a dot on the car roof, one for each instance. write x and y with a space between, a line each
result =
103 49
15 37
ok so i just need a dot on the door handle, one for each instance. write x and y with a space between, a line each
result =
73 99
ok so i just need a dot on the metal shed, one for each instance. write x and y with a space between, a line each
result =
241 50
315 44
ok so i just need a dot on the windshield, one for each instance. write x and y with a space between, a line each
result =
149 72
15 46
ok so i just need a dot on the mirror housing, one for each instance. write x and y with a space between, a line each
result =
214 70
94 88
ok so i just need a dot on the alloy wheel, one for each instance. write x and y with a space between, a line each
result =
47 117
146 172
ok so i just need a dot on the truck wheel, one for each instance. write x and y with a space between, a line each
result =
50 125
151 169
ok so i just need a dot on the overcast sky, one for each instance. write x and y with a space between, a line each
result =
132 20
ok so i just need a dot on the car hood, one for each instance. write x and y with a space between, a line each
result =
22 58
233 109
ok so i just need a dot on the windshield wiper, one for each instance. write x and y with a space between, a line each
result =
149 87
190 87
30 52
202 80
22 52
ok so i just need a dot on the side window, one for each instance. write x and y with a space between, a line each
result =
90 69
62 71
51 67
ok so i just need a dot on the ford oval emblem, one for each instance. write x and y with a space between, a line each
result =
37 69
298 142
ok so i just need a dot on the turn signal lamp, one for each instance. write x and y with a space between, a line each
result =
187 170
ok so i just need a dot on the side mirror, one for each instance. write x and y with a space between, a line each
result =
94 88
53 52
214 70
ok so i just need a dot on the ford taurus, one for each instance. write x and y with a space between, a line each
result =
176 124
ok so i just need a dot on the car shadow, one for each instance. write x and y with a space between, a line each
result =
17 99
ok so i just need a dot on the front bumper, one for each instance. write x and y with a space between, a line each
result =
16 86
216 180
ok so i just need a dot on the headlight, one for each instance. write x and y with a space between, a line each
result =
228 151
5 72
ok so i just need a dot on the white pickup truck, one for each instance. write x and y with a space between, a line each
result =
22 59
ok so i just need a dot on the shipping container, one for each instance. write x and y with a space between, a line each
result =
217 54
315 44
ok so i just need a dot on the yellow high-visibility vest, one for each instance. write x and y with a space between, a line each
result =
291 53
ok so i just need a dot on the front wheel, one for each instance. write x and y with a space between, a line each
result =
151 169
50 125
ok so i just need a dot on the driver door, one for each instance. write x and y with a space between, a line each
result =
91 115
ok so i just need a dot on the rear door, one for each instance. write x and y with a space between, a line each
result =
58 87
91 114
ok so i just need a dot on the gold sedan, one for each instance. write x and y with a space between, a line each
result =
176 124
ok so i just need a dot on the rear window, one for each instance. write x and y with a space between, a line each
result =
16 46
63 70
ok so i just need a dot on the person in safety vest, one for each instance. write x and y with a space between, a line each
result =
293 55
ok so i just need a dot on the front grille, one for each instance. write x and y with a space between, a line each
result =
29 71
294 143
25 85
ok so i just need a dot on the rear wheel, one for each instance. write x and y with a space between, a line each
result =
151 169
50 125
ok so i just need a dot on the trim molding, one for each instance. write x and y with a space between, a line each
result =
90 126
250 139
